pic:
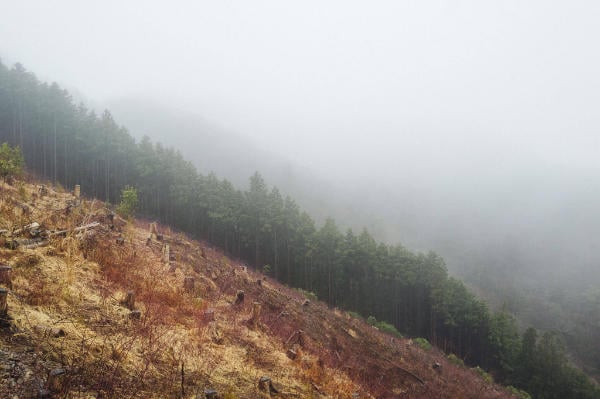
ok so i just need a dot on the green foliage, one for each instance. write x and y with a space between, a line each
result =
423 343
355 315
308 294
456 360
504 340
129 202
486 376
266 269
11 161
383 326
518 392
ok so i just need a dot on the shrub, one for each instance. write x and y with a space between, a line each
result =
11 161
129 202
383 326
423 343
487 377
456 360
355 315
308 294
518 392
266 269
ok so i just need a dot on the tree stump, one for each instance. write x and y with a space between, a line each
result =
42 190
256 308
5 276
56 380
129 300
153 230
120 240
135 315
3 303
209 315
188 284
259 282
239 298
77 191
166 253
266 385
203 253
292 354
211 394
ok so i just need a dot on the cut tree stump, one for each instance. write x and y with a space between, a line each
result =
129 300
56 380
211 394
120 241
188 284
292 354
265 384
153 230
209 315
135 315
239 298
5 276
166 253
3 303
77 191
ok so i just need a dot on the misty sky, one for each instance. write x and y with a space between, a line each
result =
378 88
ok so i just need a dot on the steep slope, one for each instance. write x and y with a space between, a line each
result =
200 321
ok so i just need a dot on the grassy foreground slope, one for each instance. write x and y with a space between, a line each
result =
67 310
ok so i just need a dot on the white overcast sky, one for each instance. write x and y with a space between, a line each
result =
357 87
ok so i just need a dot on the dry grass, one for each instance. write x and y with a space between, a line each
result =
78 284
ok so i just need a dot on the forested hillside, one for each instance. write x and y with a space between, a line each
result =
71 145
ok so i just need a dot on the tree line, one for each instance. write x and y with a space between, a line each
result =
70 144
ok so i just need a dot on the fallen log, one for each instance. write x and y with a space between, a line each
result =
75 230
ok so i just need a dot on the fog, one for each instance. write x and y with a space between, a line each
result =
466 127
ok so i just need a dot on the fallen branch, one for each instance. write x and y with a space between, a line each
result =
411 374
75 230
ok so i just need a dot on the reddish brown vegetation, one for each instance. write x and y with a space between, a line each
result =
307 349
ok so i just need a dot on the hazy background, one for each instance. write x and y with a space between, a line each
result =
467 127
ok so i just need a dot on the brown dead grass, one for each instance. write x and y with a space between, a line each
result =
78 283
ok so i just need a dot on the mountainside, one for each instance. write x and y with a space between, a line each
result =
113 309
393 287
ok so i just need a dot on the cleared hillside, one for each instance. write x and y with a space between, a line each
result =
68 309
